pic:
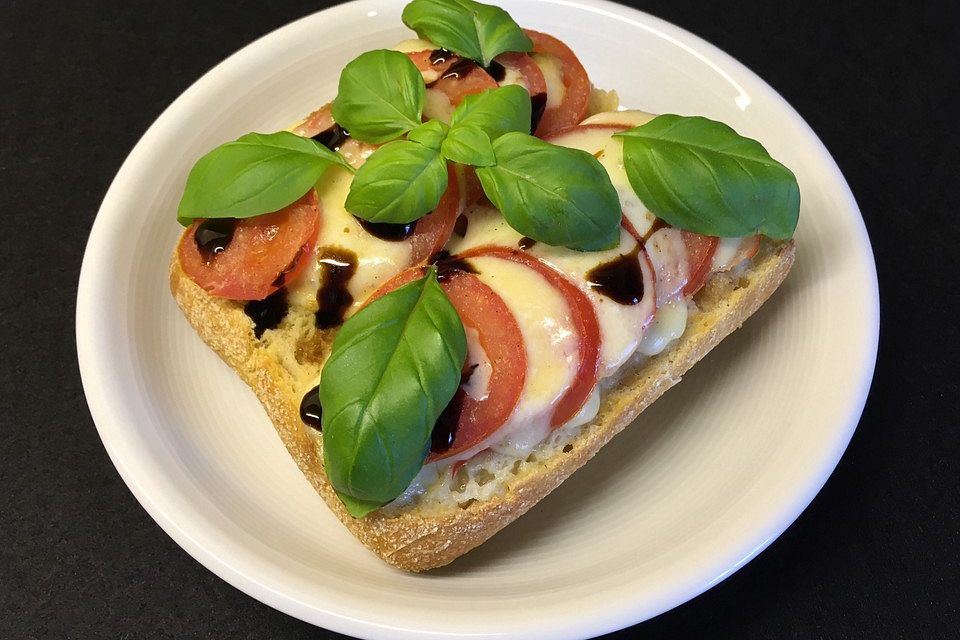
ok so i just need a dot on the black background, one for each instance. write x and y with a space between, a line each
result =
874 556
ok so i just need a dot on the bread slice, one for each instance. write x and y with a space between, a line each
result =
285 363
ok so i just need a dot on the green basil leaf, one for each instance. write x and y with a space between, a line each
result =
496 111
400 182
468 145
553 194
430 134
474 30
393 368
701 175
380 96
255 174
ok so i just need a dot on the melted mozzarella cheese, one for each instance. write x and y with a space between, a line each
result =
546 326
668 254
726 253
668 325
414 45
621 326
598 140
629 117
552 70
437 106
377 260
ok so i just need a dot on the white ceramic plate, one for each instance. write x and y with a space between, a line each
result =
704 481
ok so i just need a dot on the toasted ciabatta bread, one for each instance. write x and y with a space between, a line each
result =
417 535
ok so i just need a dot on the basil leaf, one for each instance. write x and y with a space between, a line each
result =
380 96
553 194
701 175
393 368
468 145
255 174
474 30
430 134
496 111
401 182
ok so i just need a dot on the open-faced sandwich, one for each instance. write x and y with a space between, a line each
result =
457 281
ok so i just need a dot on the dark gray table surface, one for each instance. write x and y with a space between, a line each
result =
874 556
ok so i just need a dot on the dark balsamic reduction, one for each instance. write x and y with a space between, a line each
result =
439 56
332 138
337 266
448 265
459 69
460 226
310 410
267 313
445 429
538 105
525 243
621 279
496 71
214 235
389 231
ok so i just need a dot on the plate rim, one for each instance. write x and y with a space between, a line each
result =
92 369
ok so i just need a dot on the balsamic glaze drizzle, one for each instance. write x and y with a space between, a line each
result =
310 410
620 279
389 231
213 236
332 138
439 56
337 266
445 429
448 265
267 313
496 71
525 243
538 104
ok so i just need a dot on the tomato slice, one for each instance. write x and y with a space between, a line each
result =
463 79
433 230
467 420
318 121
533 79
585 322
576 98
262 253
700 250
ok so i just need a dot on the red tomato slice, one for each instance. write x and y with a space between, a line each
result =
532 75
263 252
700 250
466 419
463 79
585 322
573 108
434 229
319 120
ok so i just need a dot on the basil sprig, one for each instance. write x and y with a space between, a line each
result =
393 368
553 194
257 173
405 179
700 175
380 96
472 29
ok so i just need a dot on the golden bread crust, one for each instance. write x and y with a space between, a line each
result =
408 538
